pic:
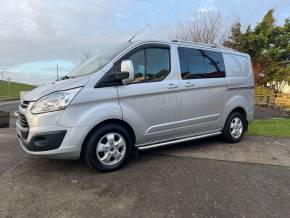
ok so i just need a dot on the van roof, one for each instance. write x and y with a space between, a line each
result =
196 45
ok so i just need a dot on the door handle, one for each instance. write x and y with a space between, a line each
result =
189 84
172 86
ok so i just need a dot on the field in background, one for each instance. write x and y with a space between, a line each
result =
15 89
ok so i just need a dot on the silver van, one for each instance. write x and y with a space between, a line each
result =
139 95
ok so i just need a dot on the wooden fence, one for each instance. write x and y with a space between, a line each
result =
271 100
267 97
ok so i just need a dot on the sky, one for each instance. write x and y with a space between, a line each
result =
36 35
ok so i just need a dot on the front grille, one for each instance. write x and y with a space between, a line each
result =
23 122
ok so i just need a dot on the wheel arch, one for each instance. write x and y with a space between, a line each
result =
106 122
242 111
236 102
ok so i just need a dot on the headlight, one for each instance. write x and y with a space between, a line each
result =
55 101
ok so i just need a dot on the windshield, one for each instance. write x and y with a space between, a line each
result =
99 60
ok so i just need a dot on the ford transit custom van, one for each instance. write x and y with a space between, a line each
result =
139 95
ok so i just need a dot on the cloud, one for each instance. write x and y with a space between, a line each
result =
61 30
34 30
47 31
40 30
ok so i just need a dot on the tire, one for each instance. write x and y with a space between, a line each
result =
234 128
108 148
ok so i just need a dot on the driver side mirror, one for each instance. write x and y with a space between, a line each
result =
128 67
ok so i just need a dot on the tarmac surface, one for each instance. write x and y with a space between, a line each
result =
204 178
9 106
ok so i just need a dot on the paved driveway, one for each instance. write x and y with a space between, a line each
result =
204 178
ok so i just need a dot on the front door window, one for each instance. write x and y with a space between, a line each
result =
151 64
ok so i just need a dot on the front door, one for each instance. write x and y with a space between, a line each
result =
148 103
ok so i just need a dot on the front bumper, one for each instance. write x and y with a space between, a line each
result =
56 147
42 136
45 141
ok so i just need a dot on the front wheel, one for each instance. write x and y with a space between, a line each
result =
234 128
108 148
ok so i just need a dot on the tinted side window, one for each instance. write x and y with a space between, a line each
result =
214 64
157 63
196 67
199 64
151 64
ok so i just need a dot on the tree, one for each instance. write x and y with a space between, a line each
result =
7 78
267 24
269 47
204 27
3 71
234 38
277 68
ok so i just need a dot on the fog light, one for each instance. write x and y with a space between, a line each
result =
40 141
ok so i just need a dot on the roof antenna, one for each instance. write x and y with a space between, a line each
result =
140 31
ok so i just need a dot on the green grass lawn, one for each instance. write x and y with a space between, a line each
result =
15 89
271 127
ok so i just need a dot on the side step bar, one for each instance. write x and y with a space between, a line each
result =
177 141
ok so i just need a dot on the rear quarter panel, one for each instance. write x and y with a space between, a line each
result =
240 84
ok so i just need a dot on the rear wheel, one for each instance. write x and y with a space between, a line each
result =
108 148
234 128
